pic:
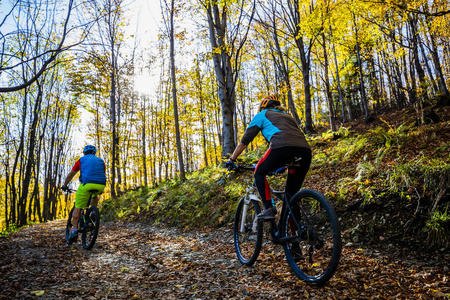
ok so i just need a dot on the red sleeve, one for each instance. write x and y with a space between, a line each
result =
77 166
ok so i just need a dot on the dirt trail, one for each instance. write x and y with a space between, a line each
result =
136 261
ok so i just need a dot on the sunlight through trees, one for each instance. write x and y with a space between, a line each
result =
330 62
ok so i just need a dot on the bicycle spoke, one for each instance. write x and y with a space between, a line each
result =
313 257
247 232
69 225
92 226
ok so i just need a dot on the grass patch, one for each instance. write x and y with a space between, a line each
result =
207 198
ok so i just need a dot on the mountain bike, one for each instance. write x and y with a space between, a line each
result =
308 229
88 225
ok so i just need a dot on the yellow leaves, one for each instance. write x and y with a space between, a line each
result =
38 293
390 127
438 294
125 270
217 50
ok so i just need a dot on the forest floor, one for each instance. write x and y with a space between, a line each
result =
132 260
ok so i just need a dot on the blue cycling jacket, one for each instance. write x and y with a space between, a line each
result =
277 127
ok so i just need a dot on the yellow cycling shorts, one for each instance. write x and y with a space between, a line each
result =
83 193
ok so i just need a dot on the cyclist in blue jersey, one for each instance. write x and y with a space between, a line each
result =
286 142
92 177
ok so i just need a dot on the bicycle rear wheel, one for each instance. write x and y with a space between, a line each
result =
312 237
69 225
92 225
248 232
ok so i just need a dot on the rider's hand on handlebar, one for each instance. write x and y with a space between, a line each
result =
230 165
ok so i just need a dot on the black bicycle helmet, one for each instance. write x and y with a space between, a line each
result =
269 101
89 149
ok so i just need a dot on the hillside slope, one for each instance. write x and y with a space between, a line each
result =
388 179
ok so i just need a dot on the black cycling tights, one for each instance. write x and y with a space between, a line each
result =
274 159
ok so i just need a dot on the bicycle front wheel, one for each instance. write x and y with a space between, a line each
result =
312 237
69 225
248 232
92 225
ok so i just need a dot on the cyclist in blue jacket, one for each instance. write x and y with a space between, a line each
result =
92 177
286 142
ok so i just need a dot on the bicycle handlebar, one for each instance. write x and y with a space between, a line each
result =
294 163
68 190
242 167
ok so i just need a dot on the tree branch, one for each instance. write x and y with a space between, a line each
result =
46 63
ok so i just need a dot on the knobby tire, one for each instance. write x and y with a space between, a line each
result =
248 243
320 237
91 228
69 225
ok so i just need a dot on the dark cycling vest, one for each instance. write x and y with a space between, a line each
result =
92 169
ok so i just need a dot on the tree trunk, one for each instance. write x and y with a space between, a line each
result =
305 52
19 153
361 78
120 140
418 66
153 127
202 115
144 146
437 65
97 123
399 90
373 80
113 124
338 80
284 71
217 24
327 84
223 49
174 95
30 159
429 71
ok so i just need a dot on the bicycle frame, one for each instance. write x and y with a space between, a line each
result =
88 226
251 193
276 227
82 219
249 196
300 228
